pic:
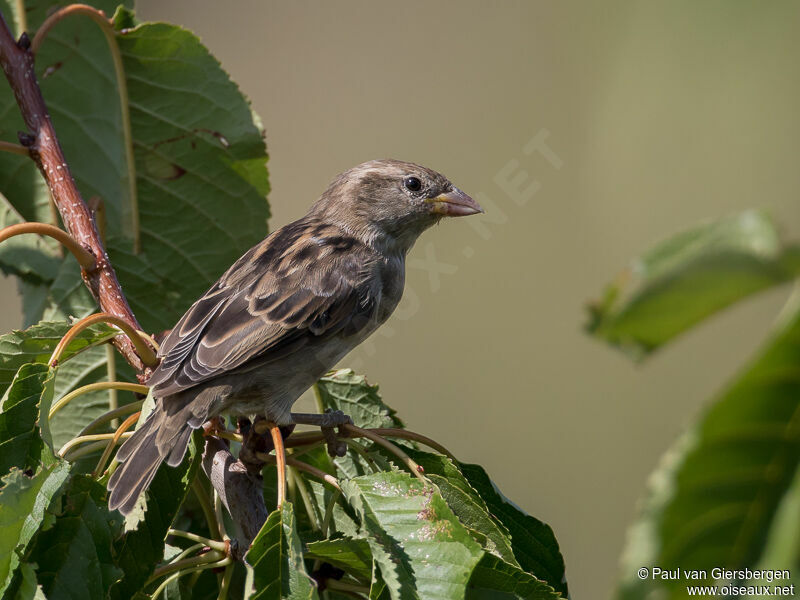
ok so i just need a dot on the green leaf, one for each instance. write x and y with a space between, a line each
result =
712 501
141 547
535 547
193 132
36 344
275 560
74 557
354 396
351 393
689 277
350 555
29 586
494 579
23 502
417 542
25 440
199 156
466 503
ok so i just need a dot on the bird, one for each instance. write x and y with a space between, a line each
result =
286 312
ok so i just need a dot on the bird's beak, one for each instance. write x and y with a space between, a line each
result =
454 203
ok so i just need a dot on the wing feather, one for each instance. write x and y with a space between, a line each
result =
268 301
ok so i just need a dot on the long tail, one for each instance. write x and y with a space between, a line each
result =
162 436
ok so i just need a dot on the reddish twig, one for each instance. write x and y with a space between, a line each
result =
135 338
84 257
16 60
280 460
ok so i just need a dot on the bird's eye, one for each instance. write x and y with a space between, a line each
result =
413 184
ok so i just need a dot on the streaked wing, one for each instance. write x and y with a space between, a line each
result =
305 280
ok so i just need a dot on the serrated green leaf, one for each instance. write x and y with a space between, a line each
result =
275 559
466 503
417 542
350 555
534 545
141 547
25 440
74 557
23 502
689 277
351 393
494 579
199 156
36 344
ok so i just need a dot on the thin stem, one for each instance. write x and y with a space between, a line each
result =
209 560
122 86
301 466
219 515
326 520
13 148
143 350
405 458
205 505
112 414
95 437
343 586
228 435
126 424
92 387
213 544
22 15
113 397
85 258
227 576
411 435
280 460
162 586
301 487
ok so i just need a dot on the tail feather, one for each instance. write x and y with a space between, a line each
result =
142 454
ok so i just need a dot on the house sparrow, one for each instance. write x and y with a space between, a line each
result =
286 312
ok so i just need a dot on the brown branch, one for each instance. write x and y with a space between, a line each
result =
84 257
16 60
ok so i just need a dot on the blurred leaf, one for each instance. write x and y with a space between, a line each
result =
25 441
36 344
494 579
417 542
23 502
712 501
276 560
689 277
74 556
533 542
466 503
141 547
348 554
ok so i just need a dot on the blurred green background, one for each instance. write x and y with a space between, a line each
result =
656 116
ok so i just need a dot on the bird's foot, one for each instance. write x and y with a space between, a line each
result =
328 421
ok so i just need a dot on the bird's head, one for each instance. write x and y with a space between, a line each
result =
390 202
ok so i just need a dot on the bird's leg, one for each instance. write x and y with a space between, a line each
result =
327 421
